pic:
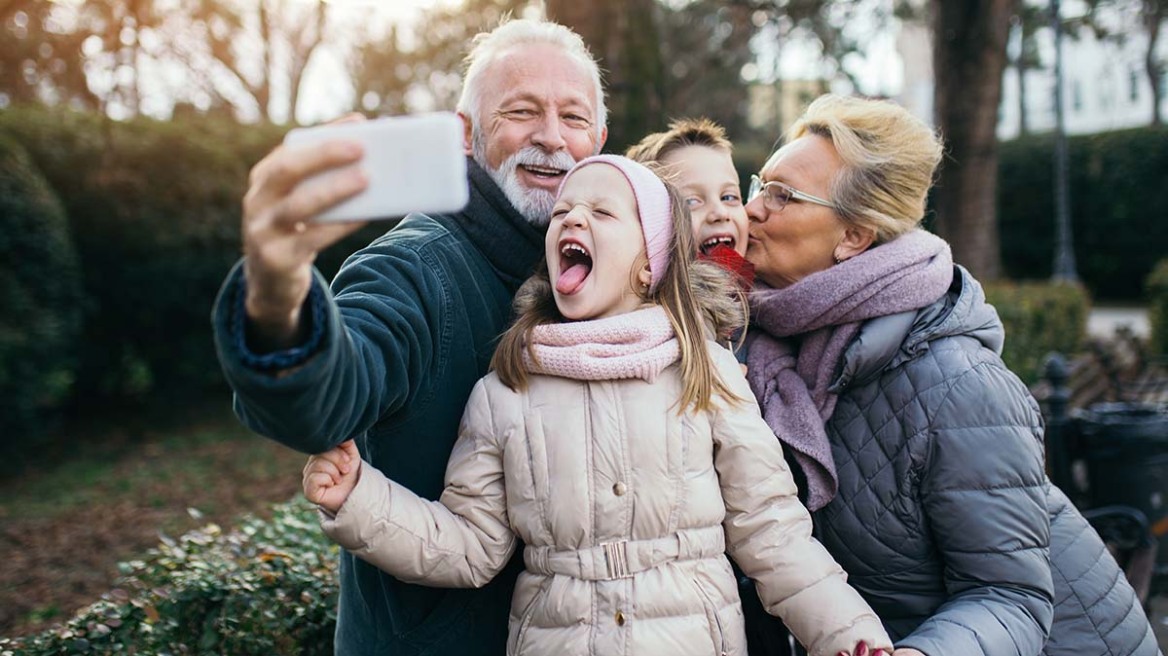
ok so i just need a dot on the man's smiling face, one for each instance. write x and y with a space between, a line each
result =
537 117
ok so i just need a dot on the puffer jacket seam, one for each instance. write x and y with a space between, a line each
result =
968 629
991 488
953 383
1082 607
391 524
981 426
806 587
996 550
594 591
897 413
529 448
679 486
626 457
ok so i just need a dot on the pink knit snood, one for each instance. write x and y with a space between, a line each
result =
637 344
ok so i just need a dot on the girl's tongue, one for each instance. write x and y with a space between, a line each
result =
572 278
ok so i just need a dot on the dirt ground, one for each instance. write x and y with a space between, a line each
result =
104 493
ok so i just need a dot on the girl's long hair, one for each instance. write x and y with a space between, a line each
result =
699 298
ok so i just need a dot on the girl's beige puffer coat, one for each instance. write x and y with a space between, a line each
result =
626 510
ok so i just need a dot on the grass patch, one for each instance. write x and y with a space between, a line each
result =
177 466
105 493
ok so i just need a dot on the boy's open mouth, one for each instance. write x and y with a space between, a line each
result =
713 242
575 265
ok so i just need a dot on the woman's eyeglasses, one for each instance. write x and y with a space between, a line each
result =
777 194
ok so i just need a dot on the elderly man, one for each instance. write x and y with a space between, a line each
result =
390 354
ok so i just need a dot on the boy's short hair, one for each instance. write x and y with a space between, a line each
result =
681 133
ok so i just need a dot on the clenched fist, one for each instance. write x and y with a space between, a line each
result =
330 477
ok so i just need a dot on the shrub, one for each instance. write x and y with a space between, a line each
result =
40 298
154 208
1117 191
1039 317
267 588
1157 290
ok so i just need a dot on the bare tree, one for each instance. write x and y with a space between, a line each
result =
443 35
41 59
241 53
119 27
1028 18
1149 16
1153 13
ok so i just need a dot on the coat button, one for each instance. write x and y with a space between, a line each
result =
620 618
619 489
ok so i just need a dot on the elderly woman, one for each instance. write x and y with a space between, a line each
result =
876 362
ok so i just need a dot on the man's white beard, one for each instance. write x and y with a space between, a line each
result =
535 205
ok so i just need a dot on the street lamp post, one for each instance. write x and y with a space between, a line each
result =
1064 255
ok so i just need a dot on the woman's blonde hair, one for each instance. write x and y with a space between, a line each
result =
698 297
889 159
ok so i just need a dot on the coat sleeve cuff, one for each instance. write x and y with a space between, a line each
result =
284 358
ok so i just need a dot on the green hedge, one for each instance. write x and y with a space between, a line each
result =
154 210
1039 317
1118 200
269 587
40 298
1157 291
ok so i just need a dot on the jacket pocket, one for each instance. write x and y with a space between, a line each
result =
717 631
515 643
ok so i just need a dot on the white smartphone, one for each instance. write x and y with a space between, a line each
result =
414 163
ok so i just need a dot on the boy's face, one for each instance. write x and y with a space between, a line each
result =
709 184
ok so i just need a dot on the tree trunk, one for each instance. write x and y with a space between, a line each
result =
623 36
969 55
1022 66
263 90
1154 11
304 40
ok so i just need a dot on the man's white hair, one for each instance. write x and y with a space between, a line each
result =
487 46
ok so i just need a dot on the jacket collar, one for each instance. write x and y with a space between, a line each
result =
509 242
888 341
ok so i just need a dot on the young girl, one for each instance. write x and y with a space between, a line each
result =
621 447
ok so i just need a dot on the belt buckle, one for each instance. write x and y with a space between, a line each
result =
616 559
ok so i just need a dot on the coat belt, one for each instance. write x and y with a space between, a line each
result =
623 558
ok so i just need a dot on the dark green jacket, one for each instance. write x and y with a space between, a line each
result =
408 328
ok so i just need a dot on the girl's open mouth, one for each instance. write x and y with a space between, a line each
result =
575 265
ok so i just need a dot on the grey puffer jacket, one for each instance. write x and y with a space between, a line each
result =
945 520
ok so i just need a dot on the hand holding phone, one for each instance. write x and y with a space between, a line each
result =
413 163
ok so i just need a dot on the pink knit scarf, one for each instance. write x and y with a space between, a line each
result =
636 344
799 335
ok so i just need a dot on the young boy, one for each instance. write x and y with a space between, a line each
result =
695 155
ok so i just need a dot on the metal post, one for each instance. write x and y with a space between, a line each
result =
1058 455
1064 255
